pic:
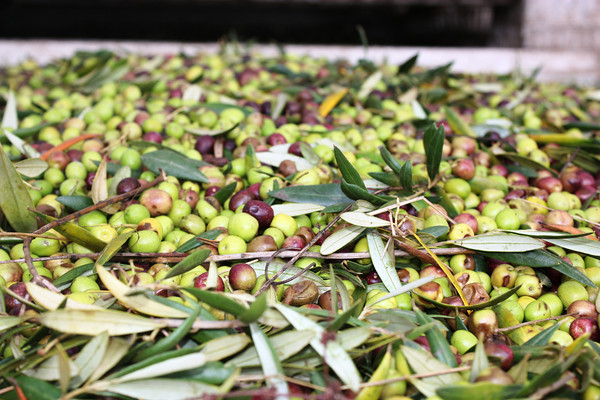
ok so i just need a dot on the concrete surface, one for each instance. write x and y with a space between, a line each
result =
578 66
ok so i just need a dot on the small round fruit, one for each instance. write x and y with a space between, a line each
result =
261 211
242 277
508 219
144 242
232 244
83 284
571 291
463 341
285 224
243 225
200 282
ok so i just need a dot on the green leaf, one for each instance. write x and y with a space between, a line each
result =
390 160
406 176
72 274
188 263
340 320
115 351
220 107
542 338
251 160
113 247
368 85
169 366
349 173
479 390
542 258
75 233
289 272
122 173
545 234
361 219
94 322
500 242
15 201
89 358
325 195
340 238
218 301
478 306
193 243
525 161
408 65
356 192
436 231
458 126
160 389
31 167
275 159
224 193
447 203
175 164
38 389
7 322
26 132
439 345
309 154
578 244
383 262
480 361
256 309
333 353
19 144
269 362
285 344
422 362
434 143
296 209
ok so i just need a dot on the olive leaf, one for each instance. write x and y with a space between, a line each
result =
458 126
309 154
479 390
296 209
51 300
368 85
325 195
349 173
340 238
422 362
383 262
174 163
8 321
433 141
275 159
285 345
331 101
162 388
21 145
480 361
99 184
15 200
437 340
188 263
390 160
137 302
361 219
31 167
217 300
166 367
74 233
89 358
10 119
193 243
500 243
407 65
34 388
269 362
225 192
114 352
526 162
122 173
542 338
289 272
52 370
332 352
94 322
578 244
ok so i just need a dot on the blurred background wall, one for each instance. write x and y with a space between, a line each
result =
561 35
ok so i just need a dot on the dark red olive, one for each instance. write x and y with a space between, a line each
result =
261 211
240 198
126 185
205 144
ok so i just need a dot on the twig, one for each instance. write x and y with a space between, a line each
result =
415 376
303 251
176 257
537 321
37 279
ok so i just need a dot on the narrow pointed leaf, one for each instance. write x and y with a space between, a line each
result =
433 141
542 338
225 192
122 173
285 345
7 322
175 164
94 322
176 364
113 247
192 244
578 244
89 358
340 238
100 185
188 263
225 346
161 389
137 302
275 159
75 202
331 101
115 351
369 84
52 301
23 147
333 353
309 154
390 160
218 301
458 126
437 340
10 119
384 265
75 233
500 243
326 195
31 167
479 390
38 389
296 209
407 65
269 362
15 201
422 362
364 220
50 369
349 173
256 309
480 362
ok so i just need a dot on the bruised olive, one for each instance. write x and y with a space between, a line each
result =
262 243
301 293
325 301
127 185
242 277
241 198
